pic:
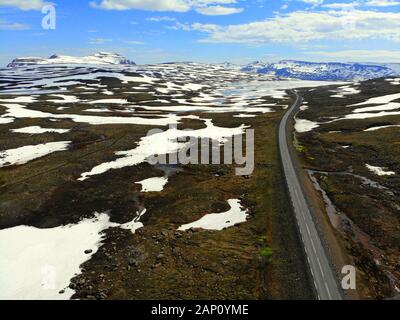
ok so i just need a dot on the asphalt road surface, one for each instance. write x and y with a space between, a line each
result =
324 278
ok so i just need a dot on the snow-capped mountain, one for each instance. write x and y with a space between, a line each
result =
230 66
254 66
319 71
394 66
330 71
97 58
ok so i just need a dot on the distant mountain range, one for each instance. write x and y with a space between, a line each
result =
329 71
319 71
97 58
394 66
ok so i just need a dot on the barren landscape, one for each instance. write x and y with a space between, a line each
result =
85 214
348 141
73 173
199 157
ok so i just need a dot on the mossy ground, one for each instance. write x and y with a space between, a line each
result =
157 262
374 210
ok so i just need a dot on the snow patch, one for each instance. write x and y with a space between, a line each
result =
135 224
38 263
370 115
64 98
379 100
385 107
344 91
381 127
6 120
162 143
117 101
379 171
220 221
156 184
243 115
25 154
38 130
304 125
25 99
20 111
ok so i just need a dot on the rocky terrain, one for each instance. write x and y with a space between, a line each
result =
322 71
84 215
348 140
100 58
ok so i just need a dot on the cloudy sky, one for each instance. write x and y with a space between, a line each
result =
240 31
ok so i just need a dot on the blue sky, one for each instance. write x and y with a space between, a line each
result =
150 31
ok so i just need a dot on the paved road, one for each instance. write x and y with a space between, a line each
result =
322 273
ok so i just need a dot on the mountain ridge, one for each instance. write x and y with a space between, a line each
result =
329 71
287 69
97 58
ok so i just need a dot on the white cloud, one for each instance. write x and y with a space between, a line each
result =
218 10
343 5
99 40
207 7
134 42
24 4
204 27
158 19
151 5
303 26
362 3
360 55
382 3
313 2
12 26
203 3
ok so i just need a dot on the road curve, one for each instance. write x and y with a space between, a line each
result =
322 273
